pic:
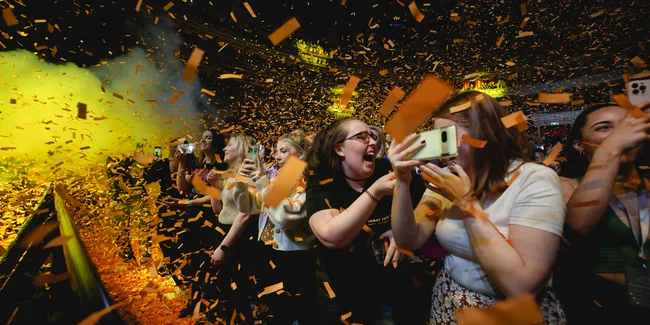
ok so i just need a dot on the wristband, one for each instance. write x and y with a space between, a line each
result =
189 203
371 196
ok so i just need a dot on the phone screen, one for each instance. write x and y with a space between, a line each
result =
157 151
253 153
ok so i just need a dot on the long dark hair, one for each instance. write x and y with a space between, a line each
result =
576 163
321 157
218 142
482 119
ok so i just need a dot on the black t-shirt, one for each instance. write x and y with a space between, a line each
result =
358 281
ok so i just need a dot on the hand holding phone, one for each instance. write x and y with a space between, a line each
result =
440 143
185 148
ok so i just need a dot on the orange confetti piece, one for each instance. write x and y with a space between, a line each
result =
553 155
548 98
58 241
521 310
585 203
207 92
204 189
285 182
284 31
168 6
371 234
330 292
137 6
383 72
349 90
415 11
513 119
326 181
478 214
512 179
422 102
394 96
221 231
9 17
193 64
473 142
405 252
622 101
231 76
500 40
598 304
250 10
227 130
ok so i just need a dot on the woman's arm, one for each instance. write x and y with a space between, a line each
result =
217 205
238 226
603 170
183 180
536 220
338 229
199 202
290 213
412 228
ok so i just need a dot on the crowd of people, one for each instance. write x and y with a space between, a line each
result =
370 236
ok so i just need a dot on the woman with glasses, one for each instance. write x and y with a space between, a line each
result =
349 204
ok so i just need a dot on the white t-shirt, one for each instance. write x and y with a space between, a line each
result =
533 200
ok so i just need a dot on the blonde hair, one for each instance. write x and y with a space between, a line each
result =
296 139
242 142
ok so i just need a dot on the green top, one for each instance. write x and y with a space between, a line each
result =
614 247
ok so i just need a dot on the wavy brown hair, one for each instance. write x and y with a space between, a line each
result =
321 157
488 165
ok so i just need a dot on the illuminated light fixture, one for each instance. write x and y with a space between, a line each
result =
495 89
313 54
338 110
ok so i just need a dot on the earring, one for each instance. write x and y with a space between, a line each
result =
582 152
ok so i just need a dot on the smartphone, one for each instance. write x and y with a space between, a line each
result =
440 143
253 154
185 148
379 247
157 152
638 92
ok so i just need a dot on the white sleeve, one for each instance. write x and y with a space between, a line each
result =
247 198
290 213
539 203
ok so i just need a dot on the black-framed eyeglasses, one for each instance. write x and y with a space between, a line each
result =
363 136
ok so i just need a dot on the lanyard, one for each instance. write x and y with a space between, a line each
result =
639 229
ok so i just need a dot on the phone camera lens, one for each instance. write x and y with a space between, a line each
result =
444 136
642 88
635 91
635 85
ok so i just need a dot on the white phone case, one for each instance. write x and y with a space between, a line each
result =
638 91
440 143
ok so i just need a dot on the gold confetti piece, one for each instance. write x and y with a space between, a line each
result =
422 102
585 203
137 7
230 76
284 31
553 155
383 72
521 310
598 13
415 11
204 189
505 103
227 130
560 98
349 314
58 241
207 92
84 148
285 182
523 9
8 15
473 142
513 178
513 119
394 96
500 40
95 317
525 34
233 286
81 110
460 108
168 6
232 15
638 62
272 265
577 102
349 90
250 10
223 233
523 23
371 234
193 64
